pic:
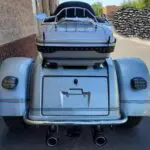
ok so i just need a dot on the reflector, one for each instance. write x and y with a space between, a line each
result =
138 83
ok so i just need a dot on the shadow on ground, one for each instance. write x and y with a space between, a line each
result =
118 139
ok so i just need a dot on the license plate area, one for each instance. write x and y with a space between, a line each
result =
75 96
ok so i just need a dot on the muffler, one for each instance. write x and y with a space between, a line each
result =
73 131
99 139
52 137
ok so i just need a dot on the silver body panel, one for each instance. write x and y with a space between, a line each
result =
96 112
74 30
78 40
71 35
82 94
76 57
102 96
75 99
133 102
13 102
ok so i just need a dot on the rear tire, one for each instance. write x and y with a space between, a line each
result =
132 122
14 123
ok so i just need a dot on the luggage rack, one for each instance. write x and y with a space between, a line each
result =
84 19
75 13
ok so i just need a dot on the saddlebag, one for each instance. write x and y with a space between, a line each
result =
134 85
14 76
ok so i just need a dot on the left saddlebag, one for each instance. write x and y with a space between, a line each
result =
14 86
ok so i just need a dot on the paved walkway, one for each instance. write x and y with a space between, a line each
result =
132 47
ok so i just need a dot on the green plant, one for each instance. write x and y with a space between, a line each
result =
98 8
138 4
147 3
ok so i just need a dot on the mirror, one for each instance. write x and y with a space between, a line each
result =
41 16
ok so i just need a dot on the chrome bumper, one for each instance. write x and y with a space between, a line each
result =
97 122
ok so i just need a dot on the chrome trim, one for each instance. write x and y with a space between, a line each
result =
75 8
96 122
56 22
74 109
100 44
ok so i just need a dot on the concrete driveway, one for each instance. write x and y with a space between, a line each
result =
118 139
132 48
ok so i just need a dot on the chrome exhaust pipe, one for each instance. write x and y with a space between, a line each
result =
99 139
52 137
52 141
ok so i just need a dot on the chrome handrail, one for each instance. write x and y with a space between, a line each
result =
75 12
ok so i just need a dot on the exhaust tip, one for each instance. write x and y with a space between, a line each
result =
52 141
100 141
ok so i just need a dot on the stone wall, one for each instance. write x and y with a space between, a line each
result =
132 22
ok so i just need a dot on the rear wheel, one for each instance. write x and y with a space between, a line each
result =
132 122
14 122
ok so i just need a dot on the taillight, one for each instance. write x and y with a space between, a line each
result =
10 82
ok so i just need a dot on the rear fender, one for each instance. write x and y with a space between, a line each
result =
134 102
12 101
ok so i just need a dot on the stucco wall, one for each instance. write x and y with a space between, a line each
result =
16 20
17 28
45 6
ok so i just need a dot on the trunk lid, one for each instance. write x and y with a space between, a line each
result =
75 96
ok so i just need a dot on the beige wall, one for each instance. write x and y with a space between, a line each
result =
16 20
17 28
45 6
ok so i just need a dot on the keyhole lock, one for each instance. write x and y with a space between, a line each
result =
75 81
